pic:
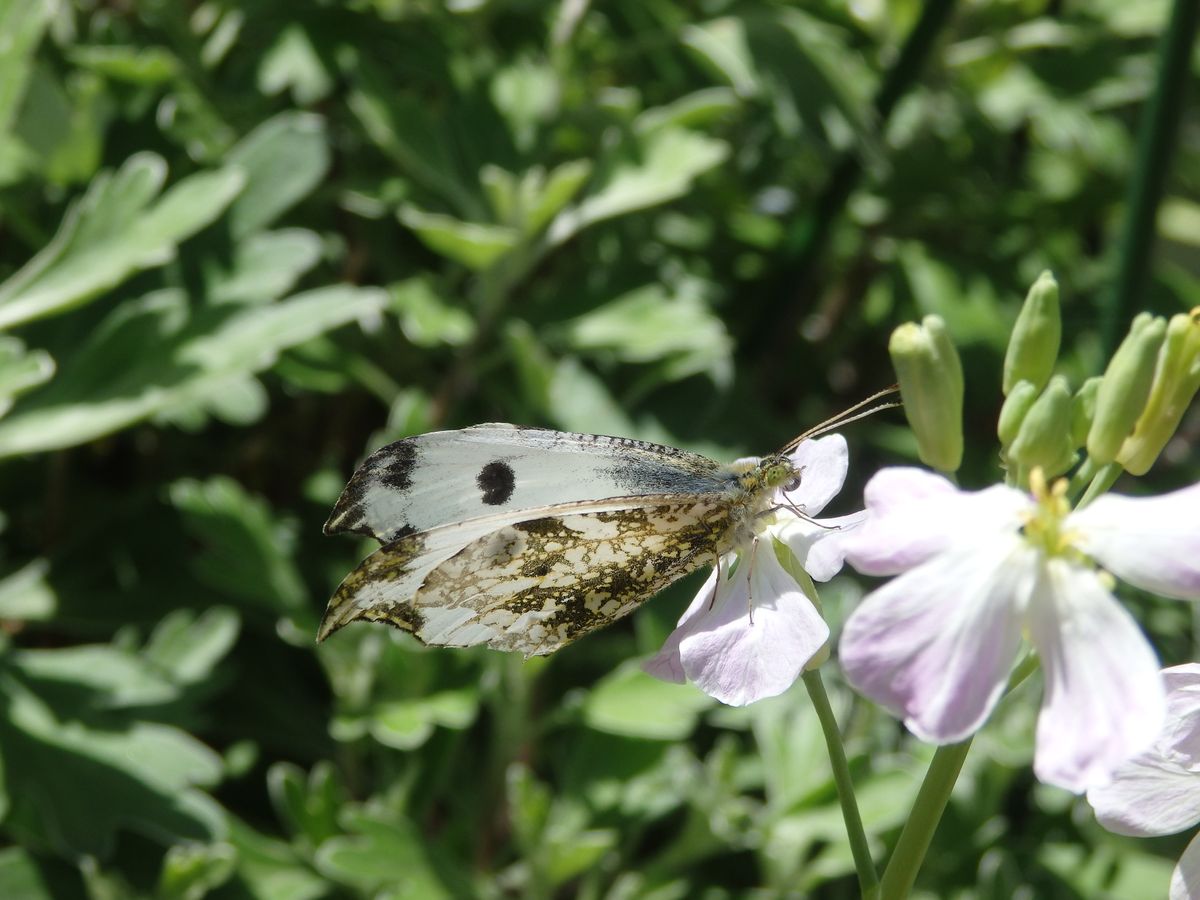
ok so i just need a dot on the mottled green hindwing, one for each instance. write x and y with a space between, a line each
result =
537 585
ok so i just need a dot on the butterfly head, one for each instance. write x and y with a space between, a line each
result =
770 473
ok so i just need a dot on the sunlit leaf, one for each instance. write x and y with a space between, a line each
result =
116 229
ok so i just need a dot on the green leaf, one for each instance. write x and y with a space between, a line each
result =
78 771
25 594
387 852
293 63
21 877
262 267
426 319
579 401
529 202
668 161
136 65
155 355
21 370
245 552
118 228
187 646
577 853
404 129
308 803
22 23
475 245
283 159
407 724
647 324
630 702
267 867
190 871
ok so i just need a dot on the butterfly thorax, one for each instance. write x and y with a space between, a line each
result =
758 479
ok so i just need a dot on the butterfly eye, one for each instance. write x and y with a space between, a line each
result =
793 484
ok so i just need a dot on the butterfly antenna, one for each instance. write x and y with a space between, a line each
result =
859 410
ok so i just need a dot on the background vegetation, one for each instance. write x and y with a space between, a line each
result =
241 244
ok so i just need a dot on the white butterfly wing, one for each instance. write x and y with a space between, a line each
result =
450 477
535 584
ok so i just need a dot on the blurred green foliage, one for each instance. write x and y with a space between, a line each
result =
242 244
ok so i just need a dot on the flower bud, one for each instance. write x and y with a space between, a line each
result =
1083 410
1033 347
1176 380
1044 438
931 386
1125 388
1013 412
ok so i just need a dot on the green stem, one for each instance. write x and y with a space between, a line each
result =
1156 139
1103 480
927 811
1082 477
901 871
868 879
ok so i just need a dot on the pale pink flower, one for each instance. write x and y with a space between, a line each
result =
977 572
751 635
1158 791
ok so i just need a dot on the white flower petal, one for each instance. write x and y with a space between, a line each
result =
823 463
912 515
1147 796
936 644
1180 738
1104 699
666 664
817 544
1185 880
1151 542
738 658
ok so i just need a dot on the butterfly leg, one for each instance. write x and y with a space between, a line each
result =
750 583
716 584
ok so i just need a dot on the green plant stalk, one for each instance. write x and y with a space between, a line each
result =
1101 482
868 879
927 811
901 871
1156 139
1083 477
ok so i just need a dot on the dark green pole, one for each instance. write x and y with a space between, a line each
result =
1156 139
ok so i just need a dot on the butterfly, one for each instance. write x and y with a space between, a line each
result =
526 539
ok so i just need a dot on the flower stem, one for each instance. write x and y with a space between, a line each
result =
1103 480
1082 477
868 880
931 802
927 811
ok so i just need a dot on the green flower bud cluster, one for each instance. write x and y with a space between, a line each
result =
1125 417
1175 382
1034 426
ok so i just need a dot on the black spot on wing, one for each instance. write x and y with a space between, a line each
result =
496 480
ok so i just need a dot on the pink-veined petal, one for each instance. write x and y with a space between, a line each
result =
1146 797
817 544
936 644
666 664
913 515
737 657
823 463
1180 738
1151 542
1104 700
1185 880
